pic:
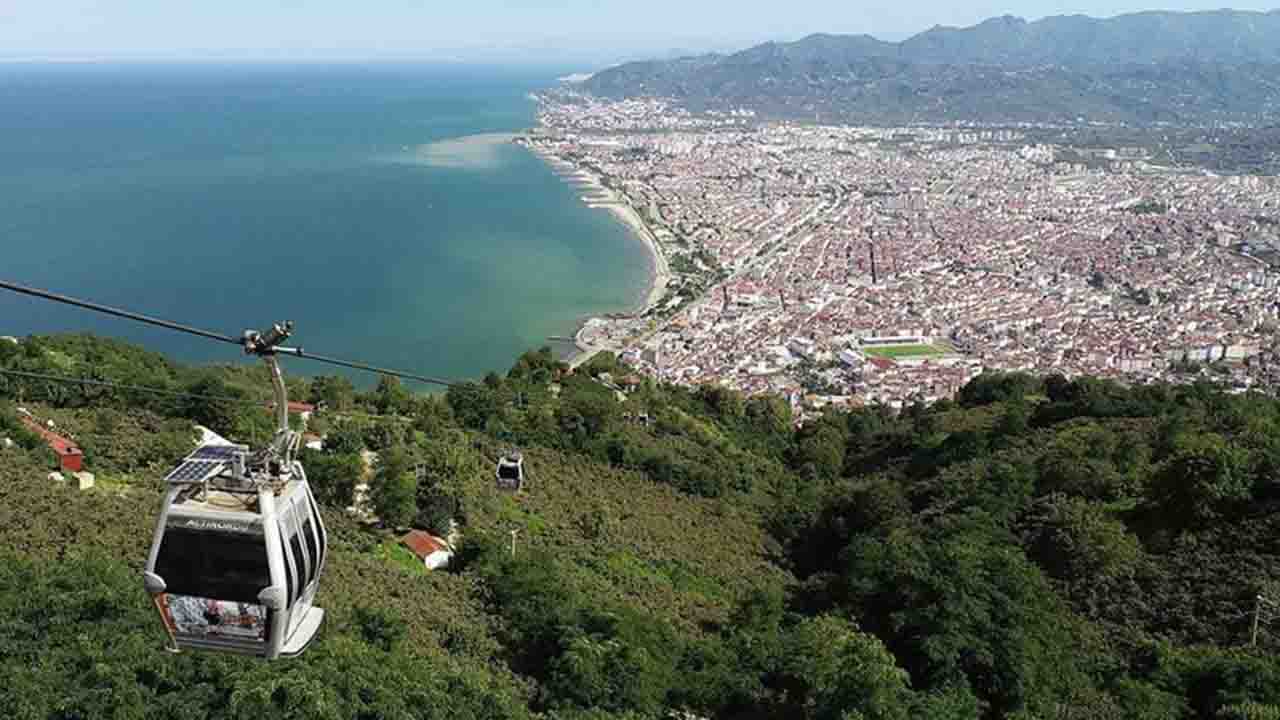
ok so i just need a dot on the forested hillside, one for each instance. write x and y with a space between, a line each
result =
1199 68
1033 548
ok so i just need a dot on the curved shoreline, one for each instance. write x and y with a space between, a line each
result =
659 271
601 197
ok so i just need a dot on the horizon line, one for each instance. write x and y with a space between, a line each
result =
535 50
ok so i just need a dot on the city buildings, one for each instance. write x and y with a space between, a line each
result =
794 250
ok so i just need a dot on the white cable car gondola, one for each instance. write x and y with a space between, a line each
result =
510 471
240 546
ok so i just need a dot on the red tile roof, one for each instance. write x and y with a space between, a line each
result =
423 544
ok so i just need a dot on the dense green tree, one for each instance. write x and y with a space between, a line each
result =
605 670
446 462
333 477
334 392
393 490
205 405
993 387
391 397
1204 477
964 606
433 416
344 439
13 428
587 412
832 671
768 419
600 363
1081 544
472 404
821 446
537 366
1218 682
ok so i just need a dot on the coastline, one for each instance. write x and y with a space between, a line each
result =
659 270
619 206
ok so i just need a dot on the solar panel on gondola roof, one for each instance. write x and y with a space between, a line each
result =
216 452
205 463
194 471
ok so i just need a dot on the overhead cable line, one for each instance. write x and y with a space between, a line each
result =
242 342
108 310
299 352
121 386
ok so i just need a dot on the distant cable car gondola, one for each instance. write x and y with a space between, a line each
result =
240 545
510 472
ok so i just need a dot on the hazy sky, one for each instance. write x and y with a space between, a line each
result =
576 30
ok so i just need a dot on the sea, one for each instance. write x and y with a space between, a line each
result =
380 207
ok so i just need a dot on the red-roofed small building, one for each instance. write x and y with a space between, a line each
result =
70 457
434 552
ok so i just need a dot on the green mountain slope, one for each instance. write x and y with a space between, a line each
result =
1187 68
1036 547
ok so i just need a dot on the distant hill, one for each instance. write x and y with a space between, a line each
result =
1150 37
1145 67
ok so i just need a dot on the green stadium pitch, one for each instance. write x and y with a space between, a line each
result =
904 351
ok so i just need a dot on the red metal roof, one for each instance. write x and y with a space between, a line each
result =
423 544
59 444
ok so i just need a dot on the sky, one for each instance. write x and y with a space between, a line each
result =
571 31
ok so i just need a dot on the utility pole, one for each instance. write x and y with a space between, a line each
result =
513 543
1257 611
1263 612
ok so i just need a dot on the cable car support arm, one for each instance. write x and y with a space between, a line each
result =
266 345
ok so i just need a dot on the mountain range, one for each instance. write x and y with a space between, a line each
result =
1182 68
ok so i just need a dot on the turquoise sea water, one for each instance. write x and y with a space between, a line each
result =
336 196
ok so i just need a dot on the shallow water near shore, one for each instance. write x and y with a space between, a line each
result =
380 208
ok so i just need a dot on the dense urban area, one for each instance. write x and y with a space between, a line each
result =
847 265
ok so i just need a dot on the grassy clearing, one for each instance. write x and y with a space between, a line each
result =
399 556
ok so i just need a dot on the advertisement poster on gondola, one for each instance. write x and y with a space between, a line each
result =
205 617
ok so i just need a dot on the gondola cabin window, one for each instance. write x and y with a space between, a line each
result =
309 536
301 563
212 582
291 580
320 533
